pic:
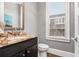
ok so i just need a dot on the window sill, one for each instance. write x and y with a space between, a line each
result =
62 39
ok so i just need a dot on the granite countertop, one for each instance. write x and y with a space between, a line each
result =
15 39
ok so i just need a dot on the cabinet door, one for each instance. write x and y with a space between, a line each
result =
32 51
20 54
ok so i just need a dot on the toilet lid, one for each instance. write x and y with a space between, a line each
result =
43 45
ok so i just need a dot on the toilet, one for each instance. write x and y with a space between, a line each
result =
42 50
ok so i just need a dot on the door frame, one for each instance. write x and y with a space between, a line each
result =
76 41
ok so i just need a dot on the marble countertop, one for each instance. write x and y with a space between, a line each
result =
16 39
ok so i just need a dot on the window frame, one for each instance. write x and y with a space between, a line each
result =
65 38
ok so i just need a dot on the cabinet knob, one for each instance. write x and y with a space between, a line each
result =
23 54
28 51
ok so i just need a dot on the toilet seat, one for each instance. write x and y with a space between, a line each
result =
43 47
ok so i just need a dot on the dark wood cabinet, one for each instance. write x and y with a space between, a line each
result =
21 49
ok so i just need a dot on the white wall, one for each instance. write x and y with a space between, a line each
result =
31 18
1 12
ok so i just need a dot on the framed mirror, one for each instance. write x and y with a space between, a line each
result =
13 15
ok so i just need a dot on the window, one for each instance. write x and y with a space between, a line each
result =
57 21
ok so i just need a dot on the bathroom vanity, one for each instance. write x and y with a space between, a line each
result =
21 48
13 41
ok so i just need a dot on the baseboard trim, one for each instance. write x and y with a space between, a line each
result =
60 52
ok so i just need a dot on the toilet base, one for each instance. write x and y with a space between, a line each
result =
42 54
